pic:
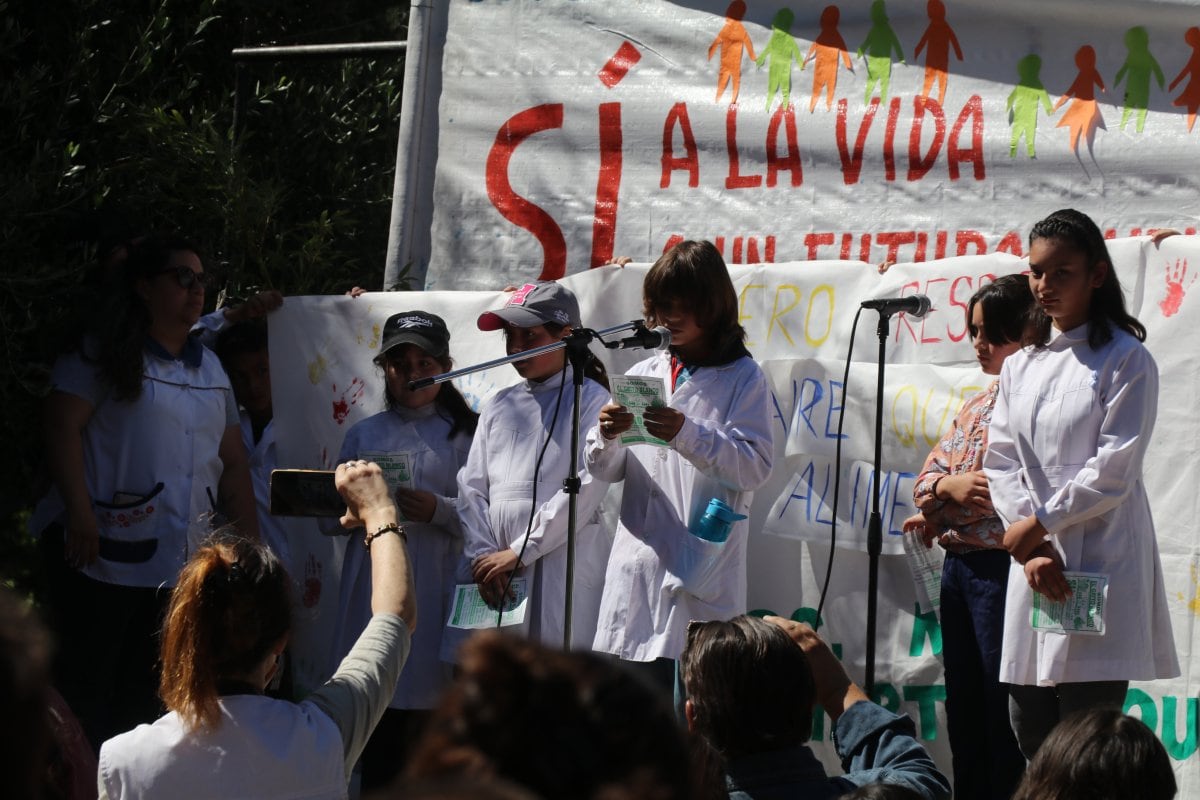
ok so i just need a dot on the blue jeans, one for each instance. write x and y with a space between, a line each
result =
986 759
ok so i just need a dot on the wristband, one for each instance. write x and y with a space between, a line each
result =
391 527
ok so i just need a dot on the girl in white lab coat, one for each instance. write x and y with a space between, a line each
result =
1069 433
420 441
514 510
716 423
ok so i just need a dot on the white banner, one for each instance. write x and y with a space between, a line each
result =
570 131
799 318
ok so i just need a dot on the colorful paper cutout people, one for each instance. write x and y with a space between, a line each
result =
939 37
825 52
881 41
1023 103
1082 117
731 41
780 52
1138 67
1190 97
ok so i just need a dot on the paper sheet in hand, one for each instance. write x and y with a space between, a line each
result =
637 393
470 612
1083 611
926 567
397 471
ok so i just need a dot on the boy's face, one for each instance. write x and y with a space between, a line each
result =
686 334
250 375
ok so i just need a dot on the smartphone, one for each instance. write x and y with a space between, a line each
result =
305 493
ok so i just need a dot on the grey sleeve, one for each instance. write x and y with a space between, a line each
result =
359 692
232 416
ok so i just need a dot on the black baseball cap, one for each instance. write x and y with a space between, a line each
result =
427 331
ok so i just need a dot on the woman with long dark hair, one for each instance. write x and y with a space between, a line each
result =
143 445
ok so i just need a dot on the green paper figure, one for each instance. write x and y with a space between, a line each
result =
780 52
1139 66
880 42
1023 103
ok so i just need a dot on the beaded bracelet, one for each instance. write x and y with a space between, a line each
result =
391 527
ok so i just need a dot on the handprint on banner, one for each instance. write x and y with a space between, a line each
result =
1139 66
1175 278
731 41
350 397
939 37
828 48
1190 98
312 582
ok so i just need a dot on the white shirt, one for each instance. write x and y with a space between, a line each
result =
496 494
1067 440
151 465
434 547
660 576
263 748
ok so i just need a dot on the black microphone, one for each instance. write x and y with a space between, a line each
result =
644 339
915 305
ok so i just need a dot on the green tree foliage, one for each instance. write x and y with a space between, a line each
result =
120 117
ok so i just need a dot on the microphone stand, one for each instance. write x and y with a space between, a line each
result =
576 344
875 525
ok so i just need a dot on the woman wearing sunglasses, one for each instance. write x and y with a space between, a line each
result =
143 445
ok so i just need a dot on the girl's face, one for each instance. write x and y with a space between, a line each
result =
168 300
405 363
991 356
686 336
1062 281
250 376
538 368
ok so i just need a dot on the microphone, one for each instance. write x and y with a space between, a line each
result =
915 305
644 338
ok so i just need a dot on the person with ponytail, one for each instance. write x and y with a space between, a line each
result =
143 446
1073 418
429 430
227 624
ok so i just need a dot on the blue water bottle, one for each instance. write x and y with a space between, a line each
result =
714 524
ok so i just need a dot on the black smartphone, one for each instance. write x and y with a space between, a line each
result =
305 493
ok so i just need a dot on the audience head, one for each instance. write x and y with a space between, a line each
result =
25 735
1100 754
692 277
1070 240
882 791
242 348
557 724
227 622
749 686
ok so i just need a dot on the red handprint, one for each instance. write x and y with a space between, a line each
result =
312 582
341 405
1175 278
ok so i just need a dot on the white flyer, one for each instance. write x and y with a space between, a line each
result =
637 393
470 612
925 563
1083 611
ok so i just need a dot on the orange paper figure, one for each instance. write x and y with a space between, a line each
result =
1082 117
1190 99
731 41
939 36
826 50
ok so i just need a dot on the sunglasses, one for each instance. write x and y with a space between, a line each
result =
186 277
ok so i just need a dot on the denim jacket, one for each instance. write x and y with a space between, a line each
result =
875 745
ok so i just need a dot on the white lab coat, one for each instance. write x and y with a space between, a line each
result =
496 493
660 576
434 547
1067 440
152 464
